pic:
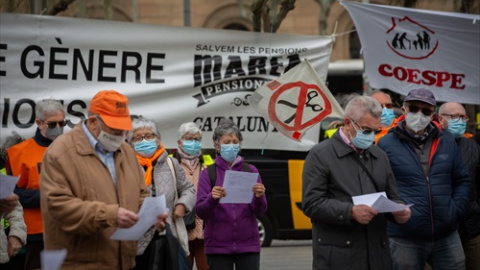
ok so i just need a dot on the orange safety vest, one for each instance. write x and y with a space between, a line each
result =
25 159
384 130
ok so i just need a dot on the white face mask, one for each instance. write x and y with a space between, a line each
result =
417 121
109 142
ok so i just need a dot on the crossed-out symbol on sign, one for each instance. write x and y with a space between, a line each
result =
307 92
315 107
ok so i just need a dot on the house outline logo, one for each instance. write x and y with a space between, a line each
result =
410 39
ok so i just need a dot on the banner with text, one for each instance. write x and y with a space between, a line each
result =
170 74
408 48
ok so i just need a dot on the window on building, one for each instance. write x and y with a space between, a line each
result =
236 26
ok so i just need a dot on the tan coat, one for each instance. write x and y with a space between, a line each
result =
79 202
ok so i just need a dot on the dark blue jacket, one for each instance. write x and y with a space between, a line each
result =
441 196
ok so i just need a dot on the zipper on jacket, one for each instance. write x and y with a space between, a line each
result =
428 183
234 228
430 203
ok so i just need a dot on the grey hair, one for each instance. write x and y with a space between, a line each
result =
189 127
48 107
361 105
378 92
345 98
226 126
10 141
142 122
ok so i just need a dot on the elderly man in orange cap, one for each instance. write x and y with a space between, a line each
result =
91 184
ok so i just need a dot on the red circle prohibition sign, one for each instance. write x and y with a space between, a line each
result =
302 97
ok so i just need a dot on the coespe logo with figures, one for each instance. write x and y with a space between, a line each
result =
410 39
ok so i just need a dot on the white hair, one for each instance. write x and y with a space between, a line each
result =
142 122
189 127
361 105
48 107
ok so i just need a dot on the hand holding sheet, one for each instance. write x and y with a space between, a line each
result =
238 186
379 202
151 208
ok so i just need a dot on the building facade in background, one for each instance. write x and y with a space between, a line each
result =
304 19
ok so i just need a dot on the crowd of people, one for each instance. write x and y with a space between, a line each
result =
76 189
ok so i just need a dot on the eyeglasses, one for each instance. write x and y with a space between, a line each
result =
456 117
147 137
365 130
415 109
54 123
387 105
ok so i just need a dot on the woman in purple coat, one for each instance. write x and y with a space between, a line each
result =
231 231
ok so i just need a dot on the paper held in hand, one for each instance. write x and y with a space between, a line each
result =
379 202
151 208
238 186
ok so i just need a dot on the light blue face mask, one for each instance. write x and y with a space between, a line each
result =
457 128
191 147
229 151
363 141
145 148
387 117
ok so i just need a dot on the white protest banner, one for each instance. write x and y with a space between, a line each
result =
296 101
170 74
408 48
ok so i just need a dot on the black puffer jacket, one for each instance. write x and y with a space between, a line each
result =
470 151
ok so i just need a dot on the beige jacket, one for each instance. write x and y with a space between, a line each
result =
80 203
192 172
17 228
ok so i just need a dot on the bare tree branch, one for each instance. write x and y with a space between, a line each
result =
285 7
59 7
257 13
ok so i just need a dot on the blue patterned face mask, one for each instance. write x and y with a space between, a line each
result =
191 147
146 148
387 117
457 128
229 151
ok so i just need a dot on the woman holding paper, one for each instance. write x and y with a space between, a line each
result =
163 175
231 231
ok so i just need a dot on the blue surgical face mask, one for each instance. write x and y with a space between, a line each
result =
229 151
387 117
457 128
146 148
363 141
191 147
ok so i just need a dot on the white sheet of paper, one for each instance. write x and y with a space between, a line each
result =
367 199
7 182
238 186
52 259
151 208
379 202
384 205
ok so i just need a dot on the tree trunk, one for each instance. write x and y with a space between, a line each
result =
58 7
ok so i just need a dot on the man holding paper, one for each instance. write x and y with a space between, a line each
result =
348 236
91 184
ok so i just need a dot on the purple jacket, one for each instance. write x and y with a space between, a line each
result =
229 228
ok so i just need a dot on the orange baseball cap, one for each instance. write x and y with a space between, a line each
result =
112 108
